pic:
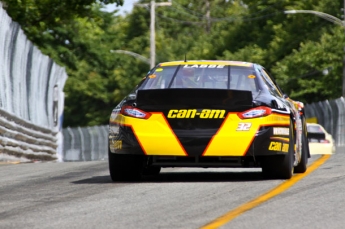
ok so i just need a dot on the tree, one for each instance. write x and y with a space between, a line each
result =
301 72
38 16
79 36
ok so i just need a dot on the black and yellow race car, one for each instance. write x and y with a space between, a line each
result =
207 114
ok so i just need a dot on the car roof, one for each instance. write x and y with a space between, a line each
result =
316 125
313 124
207 62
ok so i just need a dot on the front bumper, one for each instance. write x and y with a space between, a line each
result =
321 148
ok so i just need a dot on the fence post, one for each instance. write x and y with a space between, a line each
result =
82 147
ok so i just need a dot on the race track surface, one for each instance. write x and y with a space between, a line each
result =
81 195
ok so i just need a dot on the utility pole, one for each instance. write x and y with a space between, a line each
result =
153 5
208 15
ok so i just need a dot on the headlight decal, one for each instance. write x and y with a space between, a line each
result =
135 112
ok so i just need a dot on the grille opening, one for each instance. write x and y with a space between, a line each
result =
199 161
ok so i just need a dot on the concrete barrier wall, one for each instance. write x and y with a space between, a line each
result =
25 141
31 97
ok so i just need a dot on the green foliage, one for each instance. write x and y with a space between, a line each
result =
39 16
295 48
301 72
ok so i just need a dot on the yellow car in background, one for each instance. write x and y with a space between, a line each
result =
320 141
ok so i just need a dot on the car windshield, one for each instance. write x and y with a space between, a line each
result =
314 129
202 76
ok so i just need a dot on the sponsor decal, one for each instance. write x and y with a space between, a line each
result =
243 126
204 66
277 118
285 147
117 144
159 69
281 131
280 139
193 113
278 146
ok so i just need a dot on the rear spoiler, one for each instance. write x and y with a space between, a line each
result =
197 98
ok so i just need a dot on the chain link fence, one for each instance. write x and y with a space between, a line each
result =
331 115
85 144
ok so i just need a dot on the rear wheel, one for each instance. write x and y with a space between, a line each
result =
123 167
280 166
302 165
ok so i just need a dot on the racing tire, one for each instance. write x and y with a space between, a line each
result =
280 166
302 165
151 171
123 167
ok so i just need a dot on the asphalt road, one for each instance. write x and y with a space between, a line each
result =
81 195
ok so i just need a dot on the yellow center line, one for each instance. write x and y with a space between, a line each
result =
270 194
9 162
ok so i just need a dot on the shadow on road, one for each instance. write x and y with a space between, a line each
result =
171 177
94 180
204 177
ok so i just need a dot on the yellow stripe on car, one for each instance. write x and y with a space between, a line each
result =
155 135
280 139
157 138
239 141
232 63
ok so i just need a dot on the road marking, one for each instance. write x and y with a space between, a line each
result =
261 199
9 162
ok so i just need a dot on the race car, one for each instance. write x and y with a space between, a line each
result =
207 113
320 141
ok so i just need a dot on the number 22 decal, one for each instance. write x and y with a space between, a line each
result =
243 126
